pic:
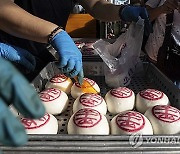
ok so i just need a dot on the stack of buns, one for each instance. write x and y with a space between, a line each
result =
147 113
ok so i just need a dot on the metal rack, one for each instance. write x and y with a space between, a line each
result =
150 77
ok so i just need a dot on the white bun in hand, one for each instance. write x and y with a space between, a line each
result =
131 122
149 98
120 99
88 121
165 119
90 100
45 125
77 91
54 100
61 82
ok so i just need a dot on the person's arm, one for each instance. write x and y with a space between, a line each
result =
101 9
154 12
166 8
20 23
105 11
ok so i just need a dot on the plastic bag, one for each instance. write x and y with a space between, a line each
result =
122 56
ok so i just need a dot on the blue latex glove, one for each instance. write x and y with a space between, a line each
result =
15 89
132 13
70 58
18 55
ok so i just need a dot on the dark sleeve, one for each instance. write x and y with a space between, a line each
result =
56 11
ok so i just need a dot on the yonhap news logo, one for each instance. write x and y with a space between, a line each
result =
137 140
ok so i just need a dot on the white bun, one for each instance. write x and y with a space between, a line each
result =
90 100
165 119
77 91
131 122
45 125
88 121
61 82
149 98
54 100
120 99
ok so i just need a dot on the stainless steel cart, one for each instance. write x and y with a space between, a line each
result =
149 77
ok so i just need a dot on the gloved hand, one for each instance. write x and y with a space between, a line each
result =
132 13
18 55
14 89
70 58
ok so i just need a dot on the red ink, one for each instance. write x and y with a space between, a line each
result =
151 94
90 100
50 94
58 78
91 82
130 121
87 118
33 124
166 113
121 92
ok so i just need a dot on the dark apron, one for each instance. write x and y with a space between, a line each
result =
56 11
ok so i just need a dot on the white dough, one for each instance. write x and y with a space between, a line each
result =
88 121
45 125
131 122
89 100
54 100
165 119
61 82
120 99
149 98
77 91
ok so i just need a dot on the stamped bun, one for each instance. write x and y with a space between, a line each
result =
54 100
89 100
120 99
131 122
149 98
77 91
165 119
46 125
88 121
61 82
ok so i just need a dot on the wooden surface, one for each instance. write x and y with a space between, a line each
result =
81 26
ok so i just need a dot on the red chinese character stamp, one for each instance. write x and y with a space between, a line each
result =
87 118
130 121
151 94
49 94
121 92
166 113
91 82
58 78
33 124
90 100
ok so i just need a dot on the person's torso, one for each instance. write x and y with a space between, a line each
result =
56 11
156 39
